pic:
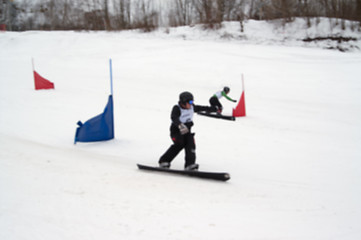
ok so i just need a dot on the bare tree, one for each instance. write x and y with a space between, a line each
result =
282 9
358 12
256 9
205 11
231 9
7 13
123 13
180 13
94 15
303 10
220 10
106 15
145 15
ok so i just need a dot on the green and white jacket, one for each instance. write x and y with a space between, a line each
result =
221 94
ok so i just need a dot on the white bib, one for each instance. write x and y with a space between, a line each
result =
218 94
186 115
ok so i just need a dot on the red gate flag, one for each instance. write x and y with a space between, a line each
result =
240 110
42 83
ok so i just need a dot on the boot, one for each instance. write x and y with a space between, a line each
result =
192 167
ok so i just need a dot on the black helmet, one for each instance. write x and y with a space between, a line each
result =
226 89
185 97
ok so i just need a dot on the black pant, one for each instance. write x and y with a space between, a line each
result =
185 141
215 103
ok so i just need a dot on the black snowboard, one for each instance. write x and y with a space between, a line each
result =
214 115
200 174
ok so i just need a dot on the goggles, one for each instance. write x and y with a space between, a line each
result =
191 102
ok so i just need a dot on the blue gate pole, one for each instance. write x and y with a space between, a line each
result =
111 76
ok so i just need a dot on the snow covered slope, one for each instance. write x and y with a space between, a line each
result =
294 160
322 33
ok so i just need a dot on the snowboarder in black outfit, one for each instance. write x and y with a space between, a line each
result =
214 100
180 132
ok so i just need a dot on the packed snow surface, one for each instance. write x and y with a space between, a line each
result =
294 160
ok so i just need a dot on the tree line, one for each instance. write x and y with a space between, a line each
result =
151 14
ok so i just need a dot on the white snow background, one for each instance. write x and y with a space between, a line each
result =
294 160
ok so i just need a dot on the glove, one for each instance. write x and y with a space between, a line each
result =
183 129
234 100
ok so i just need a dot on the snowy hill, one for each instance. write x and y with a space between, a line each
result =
294 160
323 33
